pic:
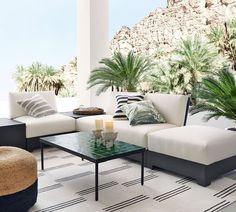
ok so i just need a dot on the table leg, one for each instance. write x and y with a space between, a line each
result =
96 181
142 169
42 159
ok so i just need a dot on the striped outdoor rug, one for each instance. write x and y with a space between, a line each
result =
67 184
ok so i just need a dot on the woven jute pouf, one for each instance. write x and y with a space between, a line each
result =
18 179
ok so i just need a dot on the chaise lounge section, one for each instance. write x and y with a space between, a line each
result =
203 153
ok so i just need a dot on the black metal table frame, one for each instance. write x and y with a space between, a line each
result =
96 161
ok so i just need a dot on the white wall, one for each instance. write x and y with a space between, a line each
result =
93 45
4 109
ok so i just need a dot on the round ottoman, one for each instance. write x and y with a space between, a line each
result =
18 180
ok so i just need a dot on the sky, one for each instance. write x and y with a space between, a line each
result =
35 30
45 31
129 12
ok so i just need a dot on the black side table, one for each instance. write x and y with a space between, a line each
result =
71 114
12 133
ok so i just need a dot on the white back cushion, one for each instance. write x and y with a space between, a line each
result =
172 107
17 111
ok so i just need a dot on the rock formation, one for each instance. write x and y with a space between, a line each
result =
164 27
69 75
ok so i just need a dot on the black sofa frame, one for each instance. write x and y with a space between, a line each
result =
203 174
34 143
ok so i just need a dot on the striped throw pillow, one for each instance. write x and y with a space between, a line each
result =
123 100
36 106
133 99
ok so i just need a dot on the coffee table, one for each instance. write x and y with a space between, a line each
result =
82 144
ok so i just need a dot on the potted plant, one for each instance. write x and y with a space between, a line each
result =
216 94
121 72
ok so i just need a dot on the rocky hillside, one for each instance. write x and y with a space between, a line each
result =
163 28
69 75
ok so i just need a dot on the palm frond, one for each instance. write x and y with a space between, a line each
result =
195 56
217 95
120 71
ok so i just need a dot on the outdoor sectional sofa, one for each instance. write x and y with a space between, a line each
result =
199 152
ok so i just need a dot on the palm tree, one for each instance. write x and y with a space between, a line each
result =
216 94
224 38
123 72
19 76
38 77
51 79
196 57
33 77
170 79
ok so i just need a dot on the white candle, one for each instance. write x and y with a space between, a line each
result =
98 124
109 126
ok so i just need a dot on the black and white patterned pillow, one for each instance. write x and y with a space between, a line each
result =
36 106
122 100
136 98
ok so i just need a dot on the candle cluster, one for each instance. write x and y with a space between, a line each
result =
109 127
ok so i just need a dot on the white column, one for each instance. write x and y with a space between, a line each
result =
93 44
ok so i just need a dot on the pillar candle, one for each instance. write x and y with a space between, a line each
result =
98 124
109 126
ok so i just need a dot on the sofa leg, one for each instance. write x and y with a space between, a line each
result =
203 182
156 168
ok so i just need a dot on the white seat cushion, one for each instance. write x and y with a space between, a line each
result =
200 144
87 123
131 134
52 124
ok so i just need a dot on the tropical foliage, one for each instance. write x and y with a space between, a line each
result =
216 94
191 60
196 56
121 72
169 78
38 77
224 38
